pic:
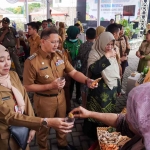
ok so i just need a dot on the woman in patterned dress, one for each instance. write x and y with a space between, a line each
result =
102 63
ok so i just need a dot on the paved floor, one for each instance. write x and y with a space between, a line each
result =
77 138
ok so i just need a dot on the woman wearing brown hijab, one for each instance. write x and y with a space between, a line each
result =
61 31
99 30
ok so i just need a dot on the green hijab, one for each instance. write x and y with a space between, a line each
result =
72 32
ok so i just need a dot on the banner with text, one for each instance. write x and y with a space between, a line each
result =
110 8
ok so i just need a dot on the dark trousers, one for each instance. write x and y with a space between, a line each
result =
67 93
27 52
78 92
15 59
124 64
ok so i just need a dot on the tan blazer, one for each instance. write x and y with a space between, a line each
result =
9 117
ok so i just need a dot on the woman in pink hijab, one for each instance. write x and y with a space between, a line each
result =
135 124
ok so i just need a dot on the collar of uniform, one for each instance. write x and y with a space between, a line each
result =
90 42
5 28
121 38
44 54
34 37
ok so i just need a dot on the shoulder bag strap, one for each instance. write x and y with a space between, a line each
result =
9 148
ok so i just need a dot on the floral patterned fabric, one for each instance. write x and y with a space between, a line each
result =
101 99
138 111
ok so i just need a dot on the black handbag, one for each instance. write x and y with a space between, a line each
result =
20 135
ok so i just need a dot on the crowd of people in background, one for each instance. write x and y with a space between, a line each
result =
57 60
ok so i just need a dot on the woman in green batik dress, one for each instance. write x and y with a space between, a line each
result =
144 53
102 63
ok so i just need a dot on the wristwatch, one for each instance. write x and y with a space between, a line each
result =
45 123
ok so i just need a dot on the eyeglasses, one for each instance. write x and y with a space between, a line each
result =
4 22
52 42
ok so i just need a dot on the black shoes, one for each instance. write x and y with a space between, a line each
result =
68 147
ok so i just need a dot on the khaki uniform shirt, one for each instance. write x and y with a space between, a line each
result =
145 48
42 68
7 113
39 32
34 43
62 33
123 45
118 54
9 38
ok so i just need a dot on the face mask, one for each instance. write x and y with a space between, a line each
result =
73 40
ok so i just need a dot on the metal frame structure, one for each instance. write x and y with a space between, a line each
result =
26 8
27 11
143 16
98 12
12 1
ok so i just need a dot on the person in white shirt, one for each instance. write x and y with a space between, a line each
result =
81 35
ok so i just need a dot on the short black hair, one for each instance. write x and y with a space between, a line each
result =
91 33
34 25
120 26
49 20
112 28
39 23
44 21
48 31
77 24
112 20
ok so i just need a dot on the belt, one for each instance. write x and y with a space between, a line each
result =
47 95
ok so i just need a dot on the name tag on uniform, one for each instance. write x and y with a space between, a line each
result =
43 68
59 62
5 98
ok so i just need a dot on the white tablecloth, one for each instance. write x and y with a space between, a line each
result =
131 82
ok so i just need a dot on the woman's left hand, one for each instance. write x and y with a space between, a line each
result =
31 136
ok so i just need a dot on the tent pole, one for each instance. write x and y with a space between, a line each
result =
98 12
48 10
26 10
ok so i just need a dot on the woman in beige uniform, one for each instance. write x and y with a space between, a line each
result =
15 104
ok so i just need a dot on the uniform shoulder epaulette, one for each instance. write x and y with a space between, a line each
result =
59 51
32 56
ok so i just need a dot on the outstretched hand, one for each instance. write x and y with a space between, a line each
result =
90 83
60 125
80 112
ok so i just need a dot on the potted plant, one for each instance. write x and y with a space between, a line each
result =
128 28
